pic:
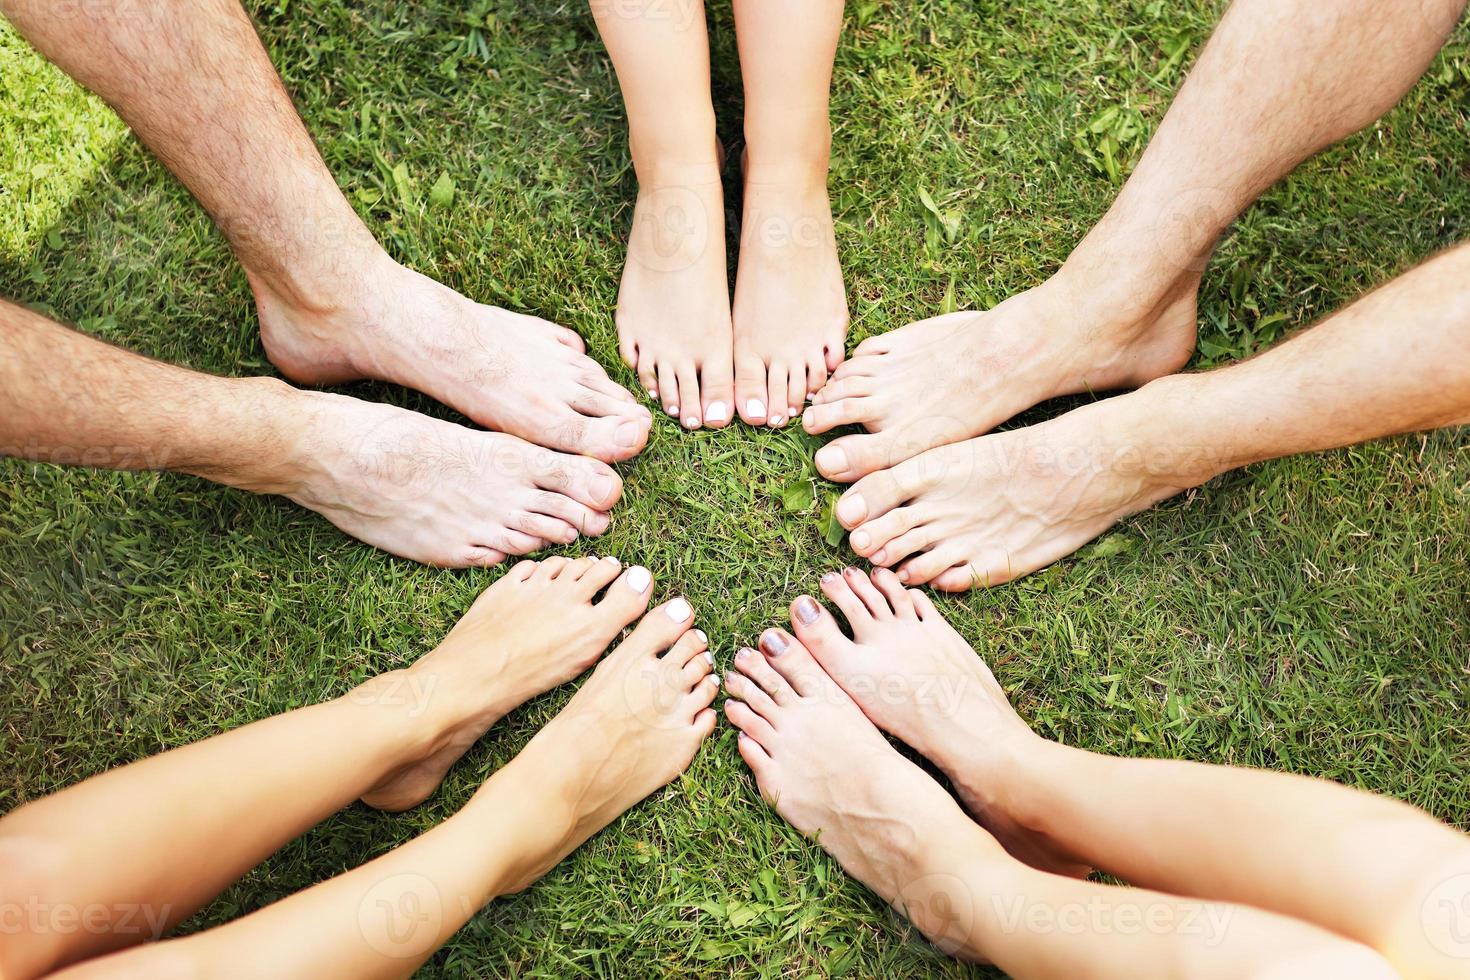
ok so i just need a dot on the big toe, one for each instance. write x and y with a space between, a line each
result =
627 598
661 628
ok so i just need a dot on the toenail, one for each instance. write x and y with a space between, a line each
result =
830 578
652 392
832 459
691 422
778 420
744 653
639 578
717 412
628 434
880 557
903 576
602 488
861 540
774 642
852 508
806 611
755 408
708 655
703 636
672 409
679 610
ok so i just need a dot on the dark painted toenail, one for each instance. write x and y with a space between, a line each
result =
744 654
830 578
806 611
774 642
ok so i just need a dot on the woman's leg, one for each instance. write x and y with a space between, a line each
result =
634 726
181 826
790 308
829 771
1377 871
674 304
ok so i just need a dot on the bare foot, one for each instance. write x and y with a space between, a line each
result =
951 378
512 373
538 627
790 312
918 680
833 776
986 511
674 303
634 726
436 492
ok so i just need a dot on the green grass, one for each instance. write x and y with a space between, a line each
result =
1308 614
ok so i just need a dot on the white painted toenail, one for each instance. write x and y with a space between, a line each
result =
703 636
832 459
717 412
672 409
755 408
639 578
711 658
652 392
679 610
778 420
691 423
852 509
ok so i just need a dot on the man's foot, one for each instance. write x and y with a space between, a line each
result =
951 378
674 302
917 679
542 624
790 312
512 373
436 492
833 776
983 512
632 727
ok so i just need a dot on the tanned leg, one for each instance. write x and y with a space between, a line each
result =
194 82
674 303
790 307
989 510
424 489
634 726
1376 871
824 767
179 827
1280 80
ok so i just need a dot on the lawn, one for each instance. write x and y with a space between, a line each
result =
1308 615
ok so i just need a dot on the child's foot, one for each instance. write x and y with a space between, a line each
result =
833 776
918 679
508 372
674 302
634 726
538 627
954 377
981 513
433 491
790 311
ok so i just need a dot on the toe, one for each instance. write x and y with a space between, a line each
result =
871 598
717 385
739 685
548 569
627 597
647 376
901 547
599 572
875 495
924 606
835 587
659 630
856 456
550 529
754 665
704 723
482 557
691 408
796 391
816 378
793 661
702 693
668 389
836 389
522 571
750 390
690 652
776 395
870 537
893 590
510 541
587 481
756 758
828 416
818 631
599 381
560 506
959 578
923 567
615 438
747 721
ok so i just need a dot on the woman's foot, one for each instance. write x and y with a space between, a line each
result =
674 302
790 312
433 491
512 373
834 777
954 377
538 627
980 513
634 726
917 679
